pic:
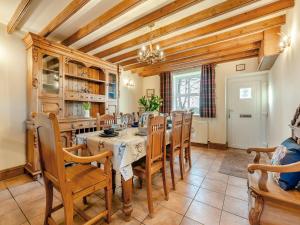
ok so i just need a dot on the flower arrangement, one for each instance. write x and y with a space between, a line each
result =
150 104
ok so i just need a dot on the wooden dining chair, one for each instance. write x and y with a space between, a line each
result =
105 121
186 136
175 147
73 182
155 160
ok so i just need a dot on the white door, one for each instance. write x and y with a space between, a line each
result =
247 111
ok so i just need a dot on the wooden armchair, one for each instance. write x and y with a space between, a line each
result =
155 157
73 182
269 204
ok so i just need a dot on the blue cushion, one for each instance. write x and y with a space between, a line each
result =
288 181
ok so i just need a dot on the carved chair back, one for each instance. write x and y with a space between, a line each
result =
187 127
156 143
50 148
105 121
177 119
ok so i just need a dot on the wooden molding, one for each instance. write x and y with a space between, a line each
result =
198 17
149 18
223 59
220 25
211 145
64 15
18 15
11 172
101 20
231 44
246 30
217 54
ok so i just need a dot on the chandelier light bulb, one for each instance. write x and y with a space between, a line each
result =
157 47
143 48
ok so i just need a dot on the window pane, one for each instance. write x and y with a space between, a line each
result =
195 85
245 93
182 86
194 103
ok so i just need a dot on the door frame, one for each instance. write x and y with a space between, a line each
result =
247 75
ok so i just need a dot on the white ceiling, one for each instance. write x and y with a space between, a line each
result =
43 11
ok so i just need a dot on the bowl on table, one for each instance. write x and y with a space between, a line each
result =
109 131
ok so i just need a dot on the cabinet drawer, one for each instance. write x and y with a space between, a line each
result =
100 98
51 106
65 126
81 124
71 95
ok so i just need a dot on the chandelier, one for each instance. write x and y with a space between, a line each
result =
149 54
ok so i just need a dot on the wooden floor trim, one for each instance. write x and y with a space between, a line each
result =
11 172
211 145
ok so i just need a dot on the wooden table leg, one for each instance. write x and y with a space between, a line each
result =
127 198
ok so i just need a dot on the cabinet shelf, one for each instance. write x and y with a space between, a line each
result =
84 78
83 97
52 71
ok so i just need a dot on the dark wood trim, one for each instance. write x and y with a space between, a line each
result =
211 145
11 172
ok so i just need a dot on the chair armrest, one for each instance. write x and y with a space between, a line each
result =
264 168
258 151
75 148
69 157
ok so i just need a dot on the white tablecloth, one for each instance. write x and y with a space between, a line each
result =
126 147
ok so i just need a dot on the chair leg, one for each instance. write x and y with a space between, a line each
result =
113 172
164 177
68 209
49 199
149 194
190 156
181 164
172 170
108 203
141 182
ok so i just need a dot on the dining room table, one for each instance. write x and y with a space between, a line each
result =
128 147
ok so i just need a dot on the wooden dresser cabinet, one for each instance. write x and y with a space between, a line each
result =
60 79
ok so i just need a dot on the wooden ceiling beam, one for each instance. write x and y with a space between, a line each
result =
220 53
220 25
101 20
198 17
18 15
223 59
149 18
63 16
234 43
246 30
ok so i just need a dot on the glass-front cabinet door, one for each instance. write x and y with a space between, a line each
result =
50 79
112 86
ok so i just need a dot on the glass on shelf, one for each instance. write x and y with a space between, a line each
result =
50 74
112 86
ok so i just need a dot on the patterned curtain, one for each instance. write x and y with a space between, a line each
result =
207 91
166 92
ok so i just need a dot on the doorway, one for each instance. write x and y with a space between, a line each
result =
247 105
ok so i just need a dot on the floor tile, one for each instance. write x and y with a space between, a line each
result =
7 206
236 206
217 176
214 185
237 192
118 218
163 216
237 181
211 198
13 217
2 185
18 180
32 195
203 213
198 171
188 221
177 203
185 189
4 195
23 188
193 179
230 219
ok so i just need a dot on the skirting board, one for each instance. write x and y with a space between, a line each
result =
11 172
211 145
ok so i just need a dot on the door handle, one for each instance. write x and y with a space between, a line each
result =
245 116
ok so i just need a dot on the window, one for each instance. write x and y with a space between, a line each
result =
186 90
245 93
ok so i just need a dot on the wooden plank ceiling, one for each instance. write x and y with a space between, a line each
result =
191 32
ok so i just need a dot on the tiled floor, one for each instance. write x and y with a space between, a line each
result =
204 197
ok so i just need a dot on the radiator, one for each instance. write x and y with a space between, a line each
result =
200 132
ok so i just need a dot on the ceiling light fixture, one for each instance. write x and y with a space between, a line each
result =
285 41
150 54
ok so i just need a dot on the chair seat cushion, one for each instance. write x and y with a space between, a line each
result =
288 152
82 177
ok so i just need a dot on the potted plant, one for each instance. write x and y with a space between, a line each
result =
86 108
151 106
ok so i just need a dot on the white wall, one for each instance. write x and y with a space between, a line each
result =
216 126
284 82
129 96
13 99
